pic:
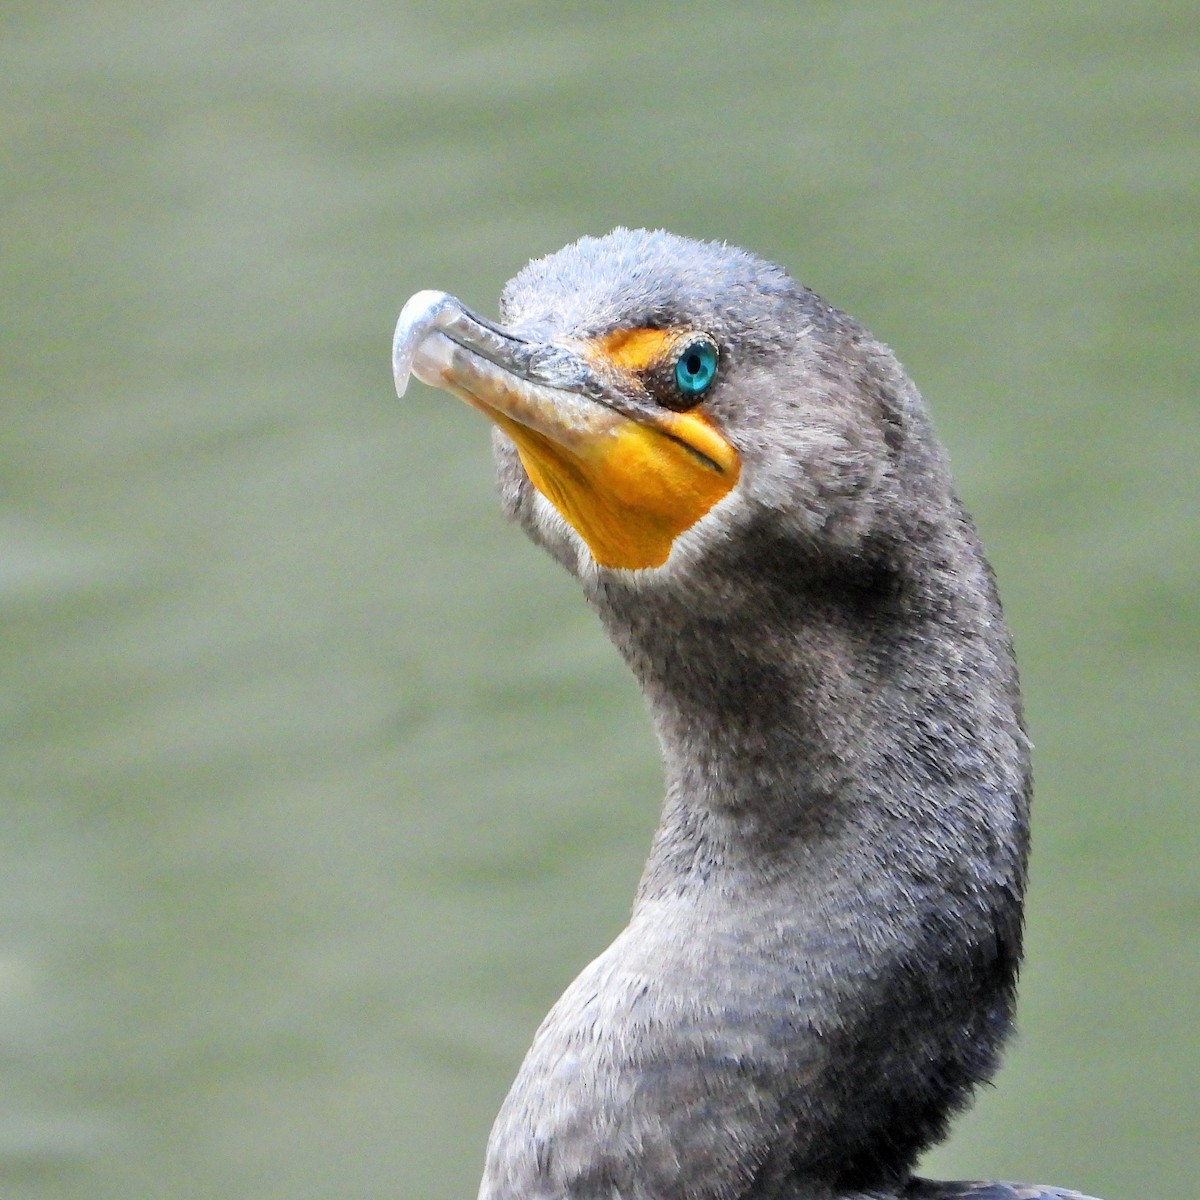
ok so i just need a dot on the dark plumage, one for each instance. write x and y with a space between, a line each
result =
821 960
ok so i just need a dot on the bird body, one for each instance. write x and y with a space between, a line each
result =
821 960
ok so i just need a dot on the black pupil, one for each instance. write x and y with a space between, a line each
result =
692 363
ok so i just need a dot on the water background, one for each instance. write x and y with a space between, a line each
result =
317 782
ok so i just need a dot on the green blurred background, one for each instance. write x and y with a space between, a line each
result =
318 782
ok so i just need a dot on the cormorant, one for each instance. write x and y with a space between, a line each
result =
821 960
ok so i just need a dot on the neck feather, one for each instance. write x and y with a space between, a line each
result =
847 784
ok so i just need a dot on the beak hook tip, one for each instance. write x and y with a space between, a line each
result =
419 317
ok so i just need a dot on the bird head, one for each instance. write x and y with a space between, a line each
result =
658 400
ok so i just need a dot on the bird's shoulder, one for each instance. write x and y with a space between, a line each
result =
931 1189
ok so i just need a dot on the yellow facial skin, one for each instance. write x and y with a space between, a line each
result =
628 487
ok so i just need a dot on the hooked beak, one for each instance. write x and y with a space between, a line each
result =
627 475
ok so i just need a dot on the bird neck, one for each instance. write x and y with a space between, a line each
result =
840 862
861 723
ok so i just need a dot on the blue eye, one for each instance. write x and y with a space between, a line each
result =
696 367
